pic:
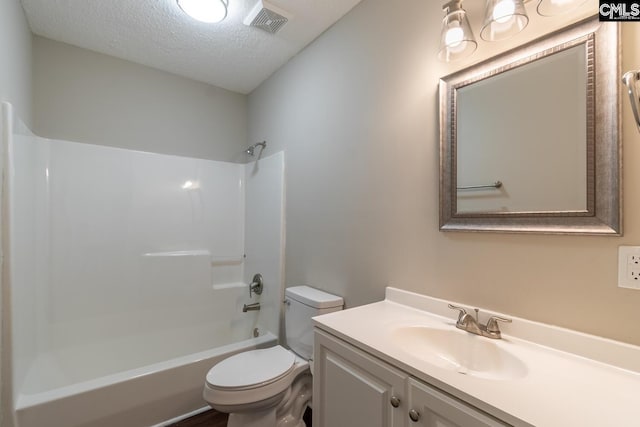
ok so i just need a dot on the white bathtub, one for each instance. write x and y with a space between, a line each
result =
140 397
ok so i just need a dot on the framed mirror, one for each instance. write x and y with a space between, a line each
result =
530 139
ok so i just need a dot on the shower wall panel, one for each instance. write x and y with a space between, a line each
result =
131 249
133 237
28 254
264 243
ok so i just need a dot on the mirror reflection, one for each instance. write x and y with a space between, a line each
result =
525 129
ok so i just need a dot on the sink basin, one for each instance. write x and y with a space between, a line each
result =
459 351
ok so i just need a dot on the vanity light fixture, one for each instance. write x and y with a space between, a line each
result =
456 38
503 19
209 11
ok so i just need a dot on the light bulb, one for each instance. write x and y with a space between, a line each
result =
503 11
454 36
209 11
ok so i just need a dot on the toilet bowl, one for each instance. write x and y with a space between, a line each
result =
272 387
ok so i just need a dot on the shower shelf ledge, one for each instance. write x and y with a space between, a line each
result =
196 252
215 260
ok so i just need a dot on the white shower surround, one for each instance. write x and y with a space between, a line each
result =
125 264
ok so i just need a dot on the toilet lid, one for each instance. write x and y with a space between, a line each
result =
251 368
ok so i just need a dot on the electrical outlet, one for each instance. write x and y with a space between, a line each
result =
629 267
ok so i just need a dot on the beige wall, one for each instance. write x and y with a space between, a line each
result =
94 98
357 113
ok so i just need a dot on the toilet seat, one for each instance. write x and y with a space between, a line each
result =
258 378
251 369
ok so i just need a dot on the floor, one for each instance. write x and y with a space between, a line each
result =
215 419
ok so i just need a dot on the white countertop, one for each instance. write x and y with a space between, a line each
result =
571 379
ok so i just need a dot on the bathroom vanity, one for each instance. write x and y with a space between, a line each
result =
357 389
403 362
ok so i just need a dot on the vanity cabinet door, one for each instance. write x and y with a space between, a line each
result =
353 389
429 407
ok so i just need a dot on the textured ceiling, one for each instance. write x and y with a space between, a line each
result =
158 34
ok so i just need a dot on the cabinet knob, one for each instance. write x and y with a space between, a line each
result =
395 402
414 415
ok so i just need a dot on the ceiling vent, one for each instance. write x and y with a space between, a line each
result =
267 17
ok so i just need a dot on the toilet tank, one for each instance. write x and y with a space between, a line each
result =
301 304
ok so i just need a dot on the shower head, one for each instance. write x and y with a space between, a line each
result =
251 149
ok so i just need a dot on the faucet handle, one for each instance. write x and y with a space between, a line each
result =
256 285
462 311
492 324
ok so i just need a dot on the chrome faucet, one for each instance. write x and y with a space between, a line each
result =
251 307
468 323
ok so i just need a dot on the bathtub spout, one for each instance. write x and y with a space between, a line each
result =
251 307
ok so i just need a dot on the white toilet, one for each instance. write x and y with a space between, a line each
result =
272 387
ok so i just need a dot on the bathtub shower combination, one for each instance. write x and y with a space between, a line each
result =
127 276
